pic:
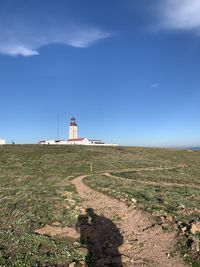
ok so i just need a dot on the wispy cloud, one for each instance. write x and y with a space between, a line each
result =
180 15
25 39
155 85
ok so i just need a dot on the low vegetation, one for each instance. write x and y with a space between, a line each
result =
35 191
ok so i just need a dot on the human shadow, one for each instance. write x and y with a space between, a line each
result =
102 239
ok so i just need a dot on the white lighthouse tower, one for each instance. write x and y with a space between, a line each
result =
73 129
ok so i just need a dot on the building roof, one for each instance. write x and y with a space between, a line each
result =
96 140
76 139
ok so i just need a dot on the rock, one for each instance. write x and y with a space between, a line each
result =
83 264
179 223
162 218
56 223
181 207
133 200
72 264
169 218
184 229
125 259
83 250
195 228
76 244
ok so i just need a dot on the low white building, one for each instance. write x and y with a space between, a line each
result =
79 141
100 143
53 142
2 141
74 139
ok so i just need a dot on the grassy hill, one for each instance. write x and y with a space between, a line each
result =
35 188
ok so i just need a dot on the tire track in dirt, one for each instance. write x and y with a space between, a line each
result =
144 242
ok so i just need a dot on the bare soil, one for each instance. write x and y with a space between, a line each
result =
118 235
53 230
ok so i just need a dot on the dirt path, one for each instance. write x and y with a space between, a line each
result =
144 243
150 182
141 169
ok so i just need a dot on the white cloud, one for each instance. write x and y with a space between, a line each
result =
180 15
15 50
155 85
25 40
86 37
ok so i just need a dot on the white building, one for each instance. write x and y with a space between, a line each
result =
2 141
74 139
53 142
79 141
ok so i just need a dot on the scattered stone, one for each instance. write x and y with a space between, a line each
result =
169 218
181 207
184 229
83 264
162 218
72 264
83 250
56 223
195 228
68 194
133 200
125 259
179 223
76 244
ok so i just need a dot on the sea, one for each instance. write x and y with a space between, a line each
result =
194 148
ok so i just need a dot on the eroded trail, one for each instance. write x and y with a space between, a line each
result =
139 242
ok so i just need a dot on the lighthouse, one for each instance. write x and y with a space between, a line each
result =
73 138
73 129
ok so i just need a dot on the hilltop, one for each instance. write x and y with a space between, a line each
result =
39 191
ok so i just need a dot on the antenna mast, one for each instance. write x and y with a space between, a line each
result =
58 121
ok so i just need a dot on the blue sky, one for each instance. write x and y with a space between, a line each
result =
127 70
